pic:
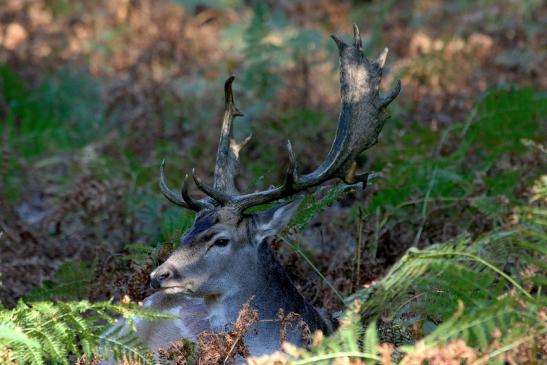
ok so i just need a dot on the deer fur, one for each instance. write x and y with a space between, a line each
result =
244 269
191 319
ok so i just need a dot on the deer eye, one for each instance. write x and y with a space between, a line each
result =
221 242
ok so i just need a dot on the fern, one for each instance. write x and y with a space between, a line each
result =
349 341
467 161
472 290
313 205
69 283
430 284
44 332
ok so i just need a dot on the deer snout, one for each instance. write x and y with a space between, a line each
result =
159 276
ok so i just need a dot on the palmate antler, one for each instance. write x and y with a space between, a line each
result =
360 122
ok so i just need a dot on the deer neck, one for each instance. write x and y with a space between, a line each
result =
270 291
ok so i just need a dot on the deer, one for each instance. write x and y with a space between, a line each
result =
224 260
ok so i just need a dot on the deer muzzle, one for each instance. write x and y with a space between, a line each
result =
161 276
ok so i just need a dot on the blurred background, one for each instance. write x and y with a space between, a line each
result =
94 94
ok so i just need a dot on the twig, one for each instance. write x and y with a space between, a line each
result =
229 354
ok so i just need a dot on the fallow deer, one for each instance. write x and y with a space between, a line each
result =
225 259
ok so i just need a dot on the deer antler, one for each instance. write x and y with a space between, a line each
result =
227 162
360 122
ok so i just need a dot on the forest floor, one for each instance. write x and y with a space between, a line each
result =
95 95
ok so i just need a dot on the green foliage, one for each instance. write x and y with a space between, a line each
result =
46 332
175 222
311 206
69 283
269 43
504 117
350 340
157 224
463 289
62 113
465 164
260 56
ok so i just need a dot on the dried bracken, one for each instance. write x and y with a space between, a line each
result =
90 198
295 322
277 358
386 352
453 353
84 360
5 355
530 272
119 277
224 347
533 351
179 353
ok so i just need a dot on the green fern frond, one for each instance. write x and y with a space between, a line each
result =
123 348
13 337
349 341
487 292
43 332
371 341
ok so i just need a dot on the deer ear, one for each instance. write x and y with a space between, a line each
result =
273 220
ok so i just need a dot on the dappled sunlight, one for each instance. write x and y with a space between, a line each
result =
95 94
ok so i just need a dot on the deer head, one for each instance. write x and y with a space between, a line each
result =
225 246
220 250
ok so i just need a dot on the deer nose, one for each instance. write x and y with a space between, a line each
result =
160 276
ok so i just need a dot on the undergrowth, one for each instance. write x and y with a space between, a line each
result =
54 332
468 271
484 296
478 296
62 113
479 167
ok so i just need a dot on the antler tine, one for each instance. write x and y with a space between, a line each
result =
291 175
391 95
184 200
219 196
227 162
357 42
382 58
192 204
168 193
292 170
